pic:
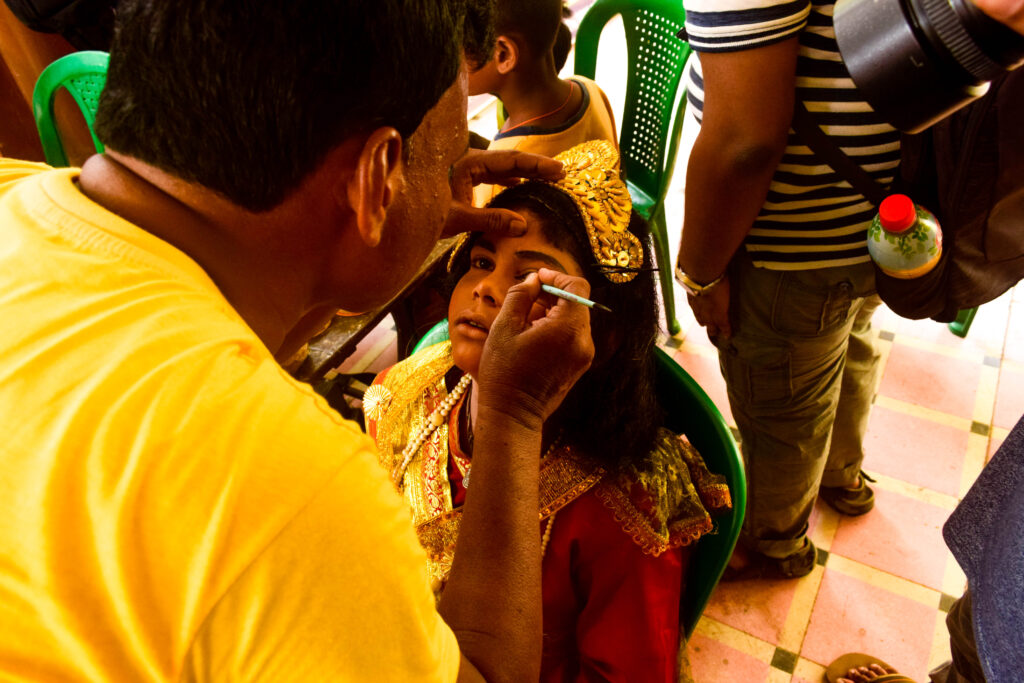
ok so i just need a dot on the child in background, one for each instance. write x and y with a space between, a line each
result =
546 114
622 499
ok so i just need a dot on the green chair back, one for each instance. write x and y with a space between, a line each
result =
688 411
83 74
651 121
962 325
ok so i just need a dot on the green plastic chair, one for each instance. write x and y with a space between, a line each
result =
962 325
649 138
83 74
689 411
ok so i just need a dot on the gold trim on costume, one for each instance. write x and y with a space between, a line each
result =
376 401
665 505
661 504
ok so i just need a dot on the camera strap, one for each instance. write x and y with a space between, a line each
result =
822 145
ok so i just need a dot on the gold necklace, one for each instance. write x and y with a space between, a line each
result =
435 420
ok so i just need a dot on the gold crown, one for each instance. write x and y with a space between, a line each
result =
592 182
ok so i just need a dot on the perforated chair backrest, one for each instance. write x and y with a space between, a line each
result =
689 411
83 74
656 60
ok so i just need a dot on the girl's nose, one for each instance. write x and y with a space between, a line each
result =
491 289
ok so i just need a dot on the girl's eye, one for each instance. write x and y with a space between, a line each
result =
481 262
522 275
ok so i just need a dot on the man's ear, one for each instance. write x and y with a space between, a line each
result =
506 54
377 180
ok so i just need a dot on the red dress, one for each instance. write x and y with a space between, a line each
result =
614 566
611 611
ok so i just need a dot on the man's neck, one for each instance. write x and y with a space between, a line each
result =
215 233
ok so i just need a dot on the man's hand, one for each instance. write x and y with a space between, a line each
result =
1009 12
504 167
712 309
527 368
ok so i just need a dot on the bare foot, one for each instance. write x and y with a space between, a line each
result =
740 558
865 674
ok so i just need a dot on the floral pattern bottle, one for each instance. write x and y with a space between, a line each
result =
904 239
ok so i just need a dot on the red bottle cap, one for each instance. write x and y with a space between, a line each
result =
897 213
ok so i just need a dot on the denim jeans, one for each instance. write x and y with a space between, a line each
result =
801 370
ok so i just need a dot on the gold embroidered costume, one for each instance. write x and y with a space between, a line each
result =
662 506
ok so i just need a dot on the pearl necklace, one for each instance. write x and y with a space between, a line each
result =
546 538
435 420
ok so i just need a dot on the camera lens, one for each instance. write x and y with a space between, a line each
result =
917 61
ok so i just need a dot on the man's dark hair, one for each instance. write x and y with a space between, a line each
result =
246 98
533 22
612 414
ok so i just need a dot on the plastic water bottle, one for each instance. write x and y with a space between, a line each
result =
904 239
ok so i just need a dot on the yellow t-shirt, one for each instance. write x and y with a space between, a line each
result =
173 506
593 121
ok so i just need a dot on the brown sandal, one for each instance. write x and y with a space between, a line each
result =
851 501
801 563
854 660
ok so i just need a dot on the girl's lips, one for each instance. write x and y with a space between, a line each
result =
471 328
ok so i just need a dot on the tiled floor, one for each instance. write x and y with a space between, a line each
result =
884 581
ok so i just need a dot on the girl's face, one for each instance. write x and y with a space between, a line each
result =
495 265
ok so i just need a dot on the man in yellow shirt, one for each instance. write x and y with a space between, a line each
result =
173 506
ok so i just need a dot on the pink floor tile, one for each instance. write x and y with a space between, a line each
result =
993 446
915 450
713 662
705 370
1014 348
931 380
901 536
989 327
852 616
698 335
757 607
932 331
1009 398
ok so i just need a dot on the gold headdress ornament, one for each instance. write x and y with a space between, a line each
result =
592 182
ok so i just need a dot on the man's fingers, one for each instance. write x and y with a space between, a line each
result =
570 283
519 300
501 166
466 218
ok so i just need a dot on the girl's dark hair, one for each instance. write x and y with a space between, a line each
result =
612 414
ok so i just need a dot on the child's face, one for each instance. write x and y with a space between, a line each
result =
495 265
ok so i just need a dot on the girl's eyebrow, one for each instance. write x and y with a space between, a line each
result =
547 259
525 255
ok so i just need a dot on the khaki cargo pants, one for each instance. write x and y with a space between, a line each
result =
801 369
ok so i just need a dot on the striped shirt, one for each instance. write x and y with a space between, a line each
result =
811 218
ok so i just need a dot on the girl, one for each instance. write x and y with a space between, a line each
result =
622 500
